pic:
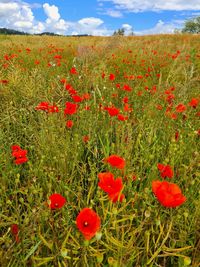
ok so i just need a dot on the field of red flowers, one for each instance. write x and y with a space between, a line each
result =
100 151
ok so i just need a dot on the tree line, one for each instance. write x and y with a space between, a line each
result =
191 26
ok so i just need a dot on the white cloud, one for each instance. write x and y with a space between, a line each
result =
162 28
156 5
38 28
91 25
23 24
13 10
127 27
113 13
74 33
51 12
61 25
90 22
17 15
100 4
7 8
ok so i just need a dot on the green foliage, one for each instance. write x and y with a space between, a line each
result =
192 26
12 32
119 32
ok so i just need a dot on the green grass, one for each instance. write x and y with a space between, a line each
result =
139 231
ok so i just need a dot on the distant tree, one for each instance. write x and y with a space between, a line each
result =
131 33
48 33
119 32
192 26
11 32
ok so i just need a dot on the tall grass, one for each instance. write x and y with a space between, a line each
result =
135 232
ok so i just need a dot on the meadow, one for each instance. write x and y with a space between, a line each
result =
100 151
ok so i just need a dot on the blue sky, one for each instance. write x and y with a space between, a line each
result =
97 17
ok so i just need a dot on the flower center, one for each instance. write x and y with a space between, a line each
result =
85 223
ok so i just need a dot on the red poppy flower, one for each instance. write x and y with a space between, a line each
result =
22 160
28 50
77 98
159 107
15 232
194 102
125 100
43 106
58 57
88 223
176 135
112 77
165 170
19 154
86 96
57 201
108 184
73 70
127 87
15 148
117 85
14 229
115 161
63 81
180 108
113 111
198 114
86 138
127 108
69 124
111 186
168 194
121 117
170 98
87 107
116 197
53 109
70 109
68 87
4 81
72 92
173 116
114 95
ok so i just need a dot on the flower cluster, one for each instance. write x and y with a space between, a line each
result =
19 154
168 194
70 109
165 170
87 221
45 106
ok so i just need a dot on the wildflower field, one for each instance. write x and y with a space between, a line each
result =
100 151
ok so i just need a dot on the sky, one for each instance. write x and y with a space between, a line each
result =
97 17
